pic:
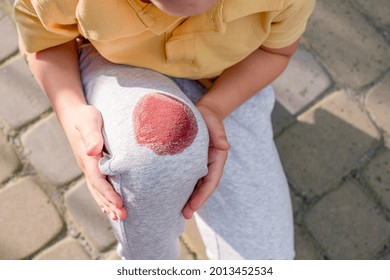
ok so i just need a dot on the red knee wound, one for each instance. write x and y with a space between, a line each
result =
164 124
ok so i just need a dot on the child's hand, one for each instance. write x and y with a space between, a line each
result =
82 125
218 150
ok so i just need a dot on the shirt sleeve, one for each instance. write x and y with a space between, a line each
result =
288 25
45 23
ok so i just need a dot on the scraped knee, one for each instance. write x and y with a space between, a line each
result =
164 124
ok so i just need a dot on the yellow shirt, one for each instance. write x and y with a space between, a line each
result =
134 33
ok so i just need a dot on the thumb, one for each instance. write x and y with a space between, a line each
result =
218 137
91 133
220 142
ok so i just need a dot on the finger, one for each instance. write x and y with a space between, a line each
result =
108 208
187 210
103 189
90 131
217 135
219 142
215 127
103 204
208 184
211 180
122 213
105 209
114 212
99 182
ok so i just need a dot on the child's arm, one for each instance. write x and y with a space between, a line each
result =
57 71
235 86
240 82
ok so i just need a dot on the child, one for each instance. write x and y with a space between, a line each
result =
149 137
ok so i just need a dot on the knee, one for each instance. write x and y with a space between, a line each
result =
165 130
164 124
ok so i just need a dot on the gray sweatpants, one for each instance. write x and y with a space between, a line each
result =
156 150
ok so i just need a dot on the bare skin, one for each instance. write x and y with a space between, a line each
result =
57 71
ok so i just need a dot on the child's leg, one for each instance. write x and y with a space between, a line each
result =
157 146
249 215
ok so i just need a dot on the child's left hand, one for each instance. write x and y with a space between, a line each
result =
218 151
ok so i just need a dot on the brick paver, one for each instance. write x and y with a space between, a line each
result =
28 220
302 82
112 255
378 103
326 143
49 151
349 46
88 218
193 240
303 249
377 174
66 249
19 87
296 202
8 30
351 227
379 13
6 7
9 161
185 254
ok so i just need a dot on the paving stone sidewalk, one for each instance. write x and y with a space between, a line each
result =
332 129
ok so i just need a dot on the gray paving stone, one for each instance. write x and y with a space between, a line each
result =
280 117
28 220
378 103
21 97
303 249
9 161
88 217
386 257
379 12
328 140
296 202
302 82
350 47
386 33
8 30
49 151
348 224
66 249
377 174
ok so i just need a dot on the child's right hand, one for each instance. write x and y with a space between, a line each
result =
83 125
